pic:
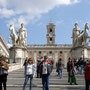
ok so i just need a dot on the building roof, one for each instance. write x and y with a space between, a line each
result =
50 46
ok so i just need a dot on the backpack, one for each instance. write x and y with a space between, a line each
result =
60 65
49 68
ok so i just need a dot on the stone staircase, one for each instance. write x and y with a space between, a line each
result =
16 80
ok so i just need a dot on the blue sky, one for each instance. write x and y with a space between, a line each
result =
36 14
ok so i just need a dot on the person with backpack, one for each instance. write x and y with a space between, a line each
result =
52 62
57 69
3 73
71 72
45 68
75 65
87 75
81 65
38 67
60 68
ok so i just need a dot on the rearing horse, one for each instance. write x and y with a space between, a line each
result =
83 38
13 35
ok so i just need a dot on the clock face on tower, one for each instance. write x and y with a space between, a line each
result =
50 35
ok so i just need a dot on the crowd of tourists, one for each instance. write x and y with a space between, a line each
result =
79 65
45 68
75 67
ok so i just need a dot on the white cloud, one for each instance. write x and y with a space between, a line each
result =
17 21
3 3
6 13
76 1
29 9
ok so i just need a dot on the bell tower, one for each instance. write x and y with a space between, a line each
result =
50 34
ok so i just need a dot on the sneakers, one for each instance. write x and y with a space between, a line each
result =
76 84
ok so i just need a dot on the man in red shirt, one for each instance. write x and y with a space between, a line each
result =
87 75
45 73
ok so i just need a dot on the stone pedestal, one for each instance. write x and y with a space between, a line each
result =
80 51
17 54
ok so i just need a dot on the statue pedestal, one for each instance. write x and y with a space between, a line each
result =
80 51
17 54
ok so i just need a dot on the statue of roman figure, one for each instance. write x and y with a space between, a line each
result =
22 36
76 34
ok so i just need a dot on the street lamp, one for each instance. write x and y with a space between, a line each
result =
83 52
14 55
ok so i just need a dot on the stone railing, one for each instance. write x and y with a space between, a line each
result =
15 66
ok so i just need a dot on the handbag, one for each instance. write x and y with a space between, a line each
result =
1 71
5 71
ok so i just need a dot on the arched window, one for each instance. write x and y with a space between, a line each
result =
61 52
50 30
50 39
50 52
39 52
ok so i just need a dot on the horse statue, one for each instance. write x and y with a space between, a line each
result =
83 38
13 35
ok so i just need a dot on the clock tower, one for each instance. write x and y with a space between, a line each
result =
50 34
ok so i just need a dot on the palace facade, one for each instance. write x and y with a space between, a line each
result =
52 50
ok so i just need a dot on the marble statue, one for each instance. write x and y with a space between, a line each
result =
21 39
13 35
76 34
83 38
79 39
22 36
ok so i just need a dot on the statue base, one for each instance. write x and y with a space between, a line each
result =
81 51
17 54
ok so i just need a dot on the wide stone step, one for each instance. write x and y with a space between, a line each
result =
35 88
16 80
20 81
51 86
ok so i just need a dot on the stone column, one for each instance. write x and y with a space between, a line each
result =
45 54
35 61
56 57
65 58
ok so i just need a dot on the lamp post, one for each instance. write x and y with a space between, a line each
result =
14 55
83 52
